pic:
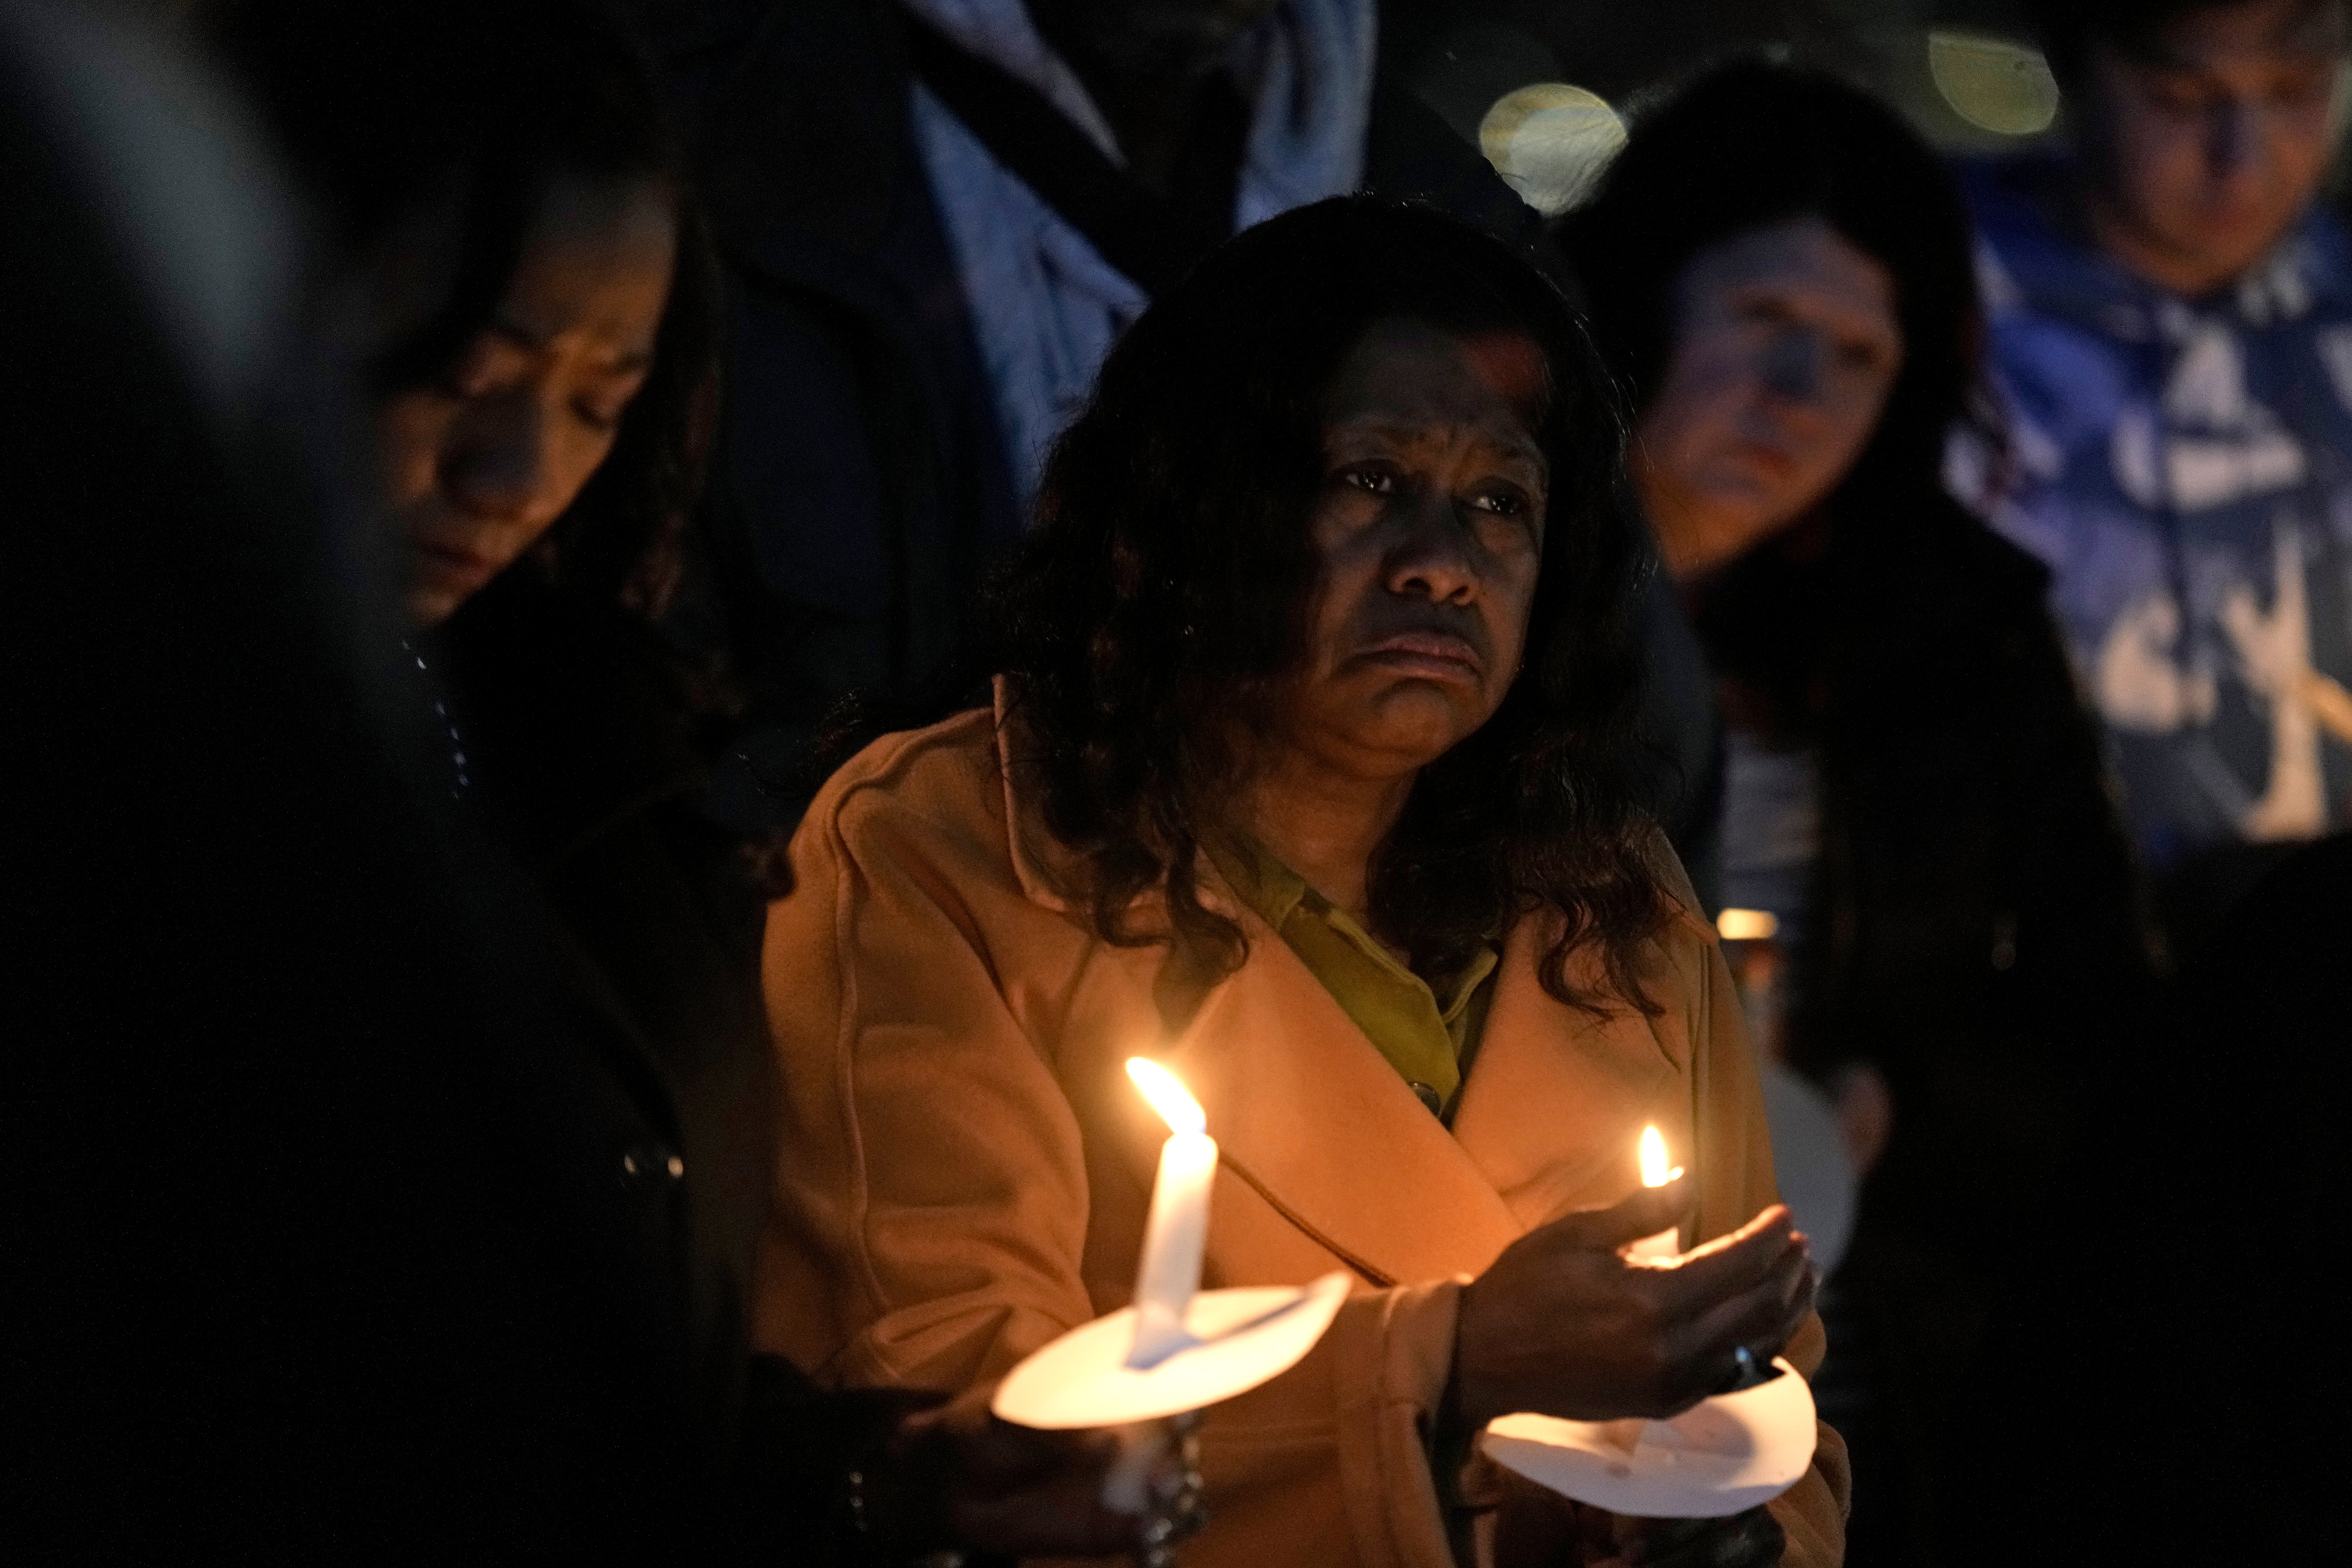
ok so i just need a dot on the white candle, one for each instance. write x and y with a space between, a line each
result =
1665 1246
1169 1274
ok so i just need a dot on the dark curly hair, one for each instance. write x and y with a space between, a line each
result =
1164 597
385 106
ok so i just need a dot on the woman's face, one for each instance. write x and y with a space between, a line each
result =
1785 348
1429 533
478 466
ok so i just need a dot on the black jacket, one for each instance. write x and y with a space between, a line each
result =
1981 937
860 490
1975 928
585 759
1974 933
342 1229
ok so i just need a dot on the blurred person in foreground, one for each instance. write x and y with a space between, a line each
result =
1309 771
2277 972
937 216
2172 326
2230 1131
317 1254
538 424
1909 788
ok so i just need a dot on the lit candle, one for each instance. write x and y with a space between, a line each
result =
1170 1271
1665 1246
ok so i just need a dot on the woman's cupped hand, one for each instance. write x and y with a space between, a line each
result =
1562 1325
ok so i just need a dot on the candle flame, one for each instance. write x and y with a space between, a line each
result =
1178 1108
1653 1160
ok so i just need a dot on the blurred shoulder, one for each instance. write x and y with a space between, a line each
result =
1687 919
1988 560
1943 569
944 783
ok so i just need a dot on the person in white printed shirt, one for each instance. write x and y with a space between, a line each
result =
2172 326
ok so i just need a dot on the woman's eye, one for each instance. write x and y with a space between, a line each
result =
486 364
1502 503
598 419
1374 481
468 378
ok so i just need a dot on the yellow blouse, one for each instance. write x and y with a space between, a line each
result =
1425 1029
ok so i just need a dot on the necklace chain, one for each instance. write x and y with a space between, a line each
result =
461 781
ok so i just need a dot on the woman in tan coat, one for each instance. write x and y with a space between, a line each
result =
1308 772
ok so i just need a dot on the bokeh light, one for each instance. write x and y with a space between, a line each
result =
1994 84
1551 142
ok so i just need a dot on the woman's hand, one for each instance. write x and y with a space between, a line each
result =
1560 1325
1537 1528
985 1485
1751 1539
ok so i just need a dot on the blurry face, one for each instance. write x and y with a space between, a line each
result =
481 464
2208 149
1429 533
1785 348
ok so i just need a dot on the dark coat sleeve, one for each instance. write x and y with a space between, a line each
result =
1980 939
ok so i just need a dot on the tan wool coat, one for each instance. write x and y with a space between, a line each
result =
966 1165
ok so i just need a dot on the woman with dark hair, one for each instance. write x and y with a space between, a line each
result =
1310 771
511 209
1904 787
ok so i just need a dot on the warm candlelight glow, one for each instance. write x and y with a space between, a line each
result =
1654 1159
1747 925
1178 1108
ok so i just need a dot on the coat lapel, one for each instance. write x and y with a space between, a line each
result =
1307 1111
1557 1098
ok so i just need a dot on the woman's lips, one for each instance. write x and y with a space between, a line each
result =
1772 461
1439 654
456 560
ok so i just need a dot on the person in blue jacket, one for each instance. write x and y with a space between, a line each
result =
2170 312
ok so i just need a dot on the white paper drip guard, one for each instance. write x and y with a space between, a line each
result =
1248 1337
1722 1455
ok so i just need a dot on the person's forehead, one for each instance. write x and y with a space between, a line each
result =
2251 34
1805 259
596 262
1405 371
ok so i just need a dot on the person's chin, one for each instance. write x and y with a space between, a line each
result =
429 604
2228 250
1423 718
1739 516
437 585
442 578
2229 233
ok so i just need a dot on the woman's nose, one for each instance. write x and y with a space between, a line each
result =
1794 366
1433 558
502 469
